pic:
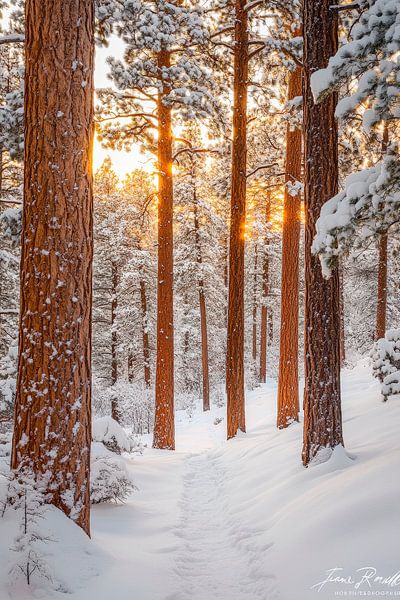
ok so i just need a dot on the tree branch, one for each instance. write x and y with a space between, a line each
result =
12 38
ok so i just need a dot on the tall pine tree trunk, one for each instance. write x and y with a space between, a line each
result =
235 333
164 426
288 382
265 292
145 333
322 408
254 310
342 318
52 413
203 308
381 307
380 327
114 339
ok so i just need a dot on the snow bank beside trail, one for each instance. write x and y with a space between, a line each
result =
69 555
340 514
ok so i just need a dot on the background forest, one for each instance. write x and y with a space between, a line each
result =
224 260
125 234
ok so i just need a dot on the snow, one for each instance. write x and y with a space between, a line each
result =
243 520
108 431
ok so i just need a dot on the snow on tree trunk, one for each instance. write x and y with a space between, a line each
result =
114 338
164 426
322 407
288 382
235 333
342 317
52 425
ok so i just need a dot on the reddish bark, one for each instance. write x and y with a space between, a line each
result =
52 413
164 426
288 382
235 333
322 407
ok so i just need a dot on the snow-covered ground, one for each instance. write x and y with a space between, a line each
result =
243 520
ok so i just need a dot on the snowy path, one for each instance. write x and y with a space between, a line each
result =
217 559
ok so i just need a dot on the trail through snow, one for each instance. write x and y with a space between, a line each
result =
218 559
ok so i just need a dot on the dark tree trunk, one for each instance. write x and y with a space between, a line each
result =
131 365
235 333
114 338
254 311
322 407
380 327
203 308
342 319
145 334
52 410
381 307
164 426
288 382
265 292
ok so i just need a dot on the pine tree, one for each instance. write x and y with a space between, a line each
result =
322 409
235 336
369 201
156 33
52 425
288 384
124 286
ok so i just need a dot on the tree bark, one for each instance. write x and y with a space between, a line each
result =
235 333
1 171
288 381
114 339
342 318
254 311
203 308
322 406
265 293
380 328
52 432
145 334
164 426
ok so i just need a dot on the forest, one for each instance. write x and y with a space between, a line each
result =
199 299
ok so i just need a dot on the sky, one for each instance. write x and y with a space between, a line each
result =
123 162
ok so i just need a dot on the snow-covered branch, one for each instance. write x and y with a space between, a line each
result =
12 38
